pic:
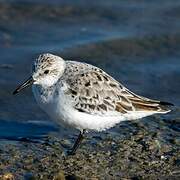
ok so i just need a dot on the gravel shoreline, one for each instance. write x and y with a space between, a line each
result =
142 154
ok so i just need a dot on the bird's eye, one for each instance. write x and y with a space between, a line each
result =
46 71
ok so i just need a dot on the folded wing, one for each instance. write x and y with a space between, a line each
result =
96 92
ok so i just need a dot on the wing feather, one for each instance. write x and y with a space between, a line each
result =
96 92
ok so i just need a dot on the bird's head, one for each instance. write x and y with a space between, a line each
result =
46 71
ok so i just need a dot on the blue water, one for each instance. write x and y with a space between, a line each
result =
138 42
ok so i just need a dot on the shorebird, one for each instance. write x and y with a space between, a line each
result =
84 97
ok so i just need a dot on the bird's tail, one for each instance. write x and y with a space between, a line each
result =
165 107
143 104
152 106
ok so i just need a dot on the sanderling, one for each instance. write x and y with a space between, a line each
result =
85 97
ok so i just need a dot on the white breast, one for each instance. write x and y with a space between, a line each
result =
59 108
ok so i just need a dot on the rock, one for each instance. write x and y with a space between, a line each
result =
59 176
7 176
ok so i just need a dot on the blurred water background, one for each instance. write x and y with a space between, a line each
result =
136 41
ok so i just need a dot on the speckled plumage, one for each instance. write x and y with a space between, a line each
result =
96 92
84 96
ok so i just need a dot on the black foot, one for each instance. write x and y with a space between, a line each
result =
70 153
77 143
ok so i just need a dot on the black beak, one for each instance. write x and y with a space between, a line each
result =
27 83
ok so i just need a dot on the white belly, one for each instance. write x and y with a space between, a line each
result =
59 108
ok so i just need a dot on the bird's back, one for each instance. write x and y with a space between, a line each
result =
96 92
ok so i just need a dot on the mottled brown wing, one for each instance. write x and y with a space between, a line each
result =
144 104
96 92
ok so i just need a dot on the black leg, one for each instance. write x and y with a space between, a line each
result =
77 142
